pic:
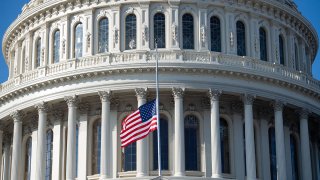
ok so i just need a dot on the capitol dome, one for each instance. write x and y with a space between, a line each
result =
237 96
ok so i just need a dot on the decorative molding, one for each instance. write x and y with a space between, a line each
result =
248 99
141 93
42 107
237 107
17 115
84 108
214 94
105 96
278 105
177 92
72 101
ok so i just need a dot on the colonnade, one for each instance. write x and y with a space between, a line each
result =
143 146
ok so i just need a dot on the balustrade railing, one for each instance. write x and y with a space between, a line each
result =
214 60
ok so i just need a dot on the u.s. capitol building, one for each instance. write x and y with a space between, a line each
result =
237 96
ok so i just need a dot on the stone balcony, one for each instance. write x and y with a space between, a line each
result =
184 61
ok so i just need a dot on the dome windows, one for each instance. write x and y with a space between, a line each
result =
187 31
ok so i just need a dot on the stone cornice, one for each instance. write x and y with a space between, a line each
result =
52 10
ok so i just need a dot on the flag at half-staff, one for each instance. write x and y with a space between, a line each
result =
139 124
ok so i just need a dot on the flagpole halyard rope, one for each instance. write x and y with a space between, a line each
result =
157 105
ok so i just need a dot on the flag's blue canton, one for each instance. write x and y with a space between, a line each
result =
148 110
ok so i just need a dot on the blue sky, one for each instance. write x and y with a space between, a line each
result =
10 9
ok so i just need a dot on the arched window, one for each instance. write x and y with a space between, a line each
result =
272 153
241 39
103 35
296 56
263 44
294 157
160 30
131 31
96 146
225 150
27 170
49 154
192 143
78 40
164 146
38 52
187 31
56 47
281 49
215 28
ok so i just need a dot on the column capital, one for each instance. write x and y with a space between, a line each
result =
278 105
72 101
177 92
214 94
248 99
42 107
16 115
105 95
303 113
141 93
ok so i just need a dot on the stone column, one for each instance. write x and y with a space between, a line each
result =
6 158
305 146
215 133
249 137
72 102
179 151
142 145
83 139
41 148
105 163
16 145
57 145
280 146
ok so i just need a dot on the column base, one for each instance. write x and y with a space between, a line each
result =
141 175
216 176
104 177
179 174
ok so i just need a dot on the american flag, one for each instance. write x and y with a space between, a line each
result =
139 124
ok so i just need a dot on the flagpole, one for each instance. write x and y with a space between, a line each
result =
158 119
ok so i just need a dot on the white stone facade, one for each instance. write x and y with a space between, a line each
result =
248 112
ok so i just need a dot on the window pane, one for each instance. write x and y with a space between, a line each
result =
56 47
38 52
241 39
78 40
225 150
272 154
103 35
131 31
215 34
187 31
49 155
130 157
192 143
263 45
160 30
281 50
164 146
